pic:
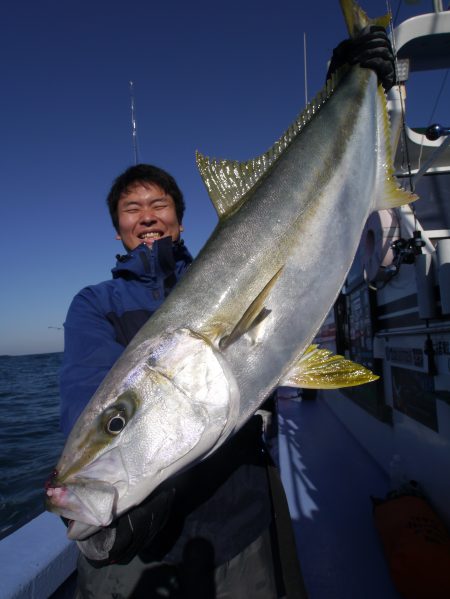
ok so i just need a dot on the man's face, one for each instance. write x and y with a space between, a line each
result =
145 213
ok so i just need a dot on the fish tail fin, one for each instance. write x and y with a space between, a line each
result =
391 195
356 19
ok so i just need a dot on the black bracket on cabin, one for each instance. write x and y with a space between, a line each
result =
406 250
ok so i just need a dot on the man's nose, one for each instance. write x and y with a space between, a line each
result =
148 216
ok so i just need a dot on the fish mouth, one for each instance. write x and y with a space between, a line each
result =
87 494
88 501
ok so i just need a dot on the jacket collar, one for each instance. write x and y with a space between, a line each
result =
159 260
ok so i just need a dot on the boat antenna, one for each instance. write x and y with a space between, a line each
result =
133 124
305 69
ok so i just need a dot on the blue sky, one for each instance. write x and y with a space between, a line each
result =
224 78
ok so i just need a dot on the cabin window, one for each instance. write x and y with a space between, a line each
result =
355 327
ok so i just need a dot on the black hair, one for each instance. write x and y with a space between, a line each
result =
144 173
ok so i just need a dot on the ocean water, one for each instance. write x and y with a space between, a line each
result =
30 440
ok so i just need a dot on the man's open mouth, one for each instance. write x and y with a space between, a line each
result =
150 235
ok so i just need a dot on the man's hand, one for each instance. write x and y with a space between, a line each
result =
372 50
131 532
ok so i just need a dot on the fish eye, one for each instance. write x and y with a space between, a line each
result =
116 417
116 424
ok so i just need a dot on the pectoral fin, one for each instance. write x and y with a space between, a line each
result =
321 369
253 317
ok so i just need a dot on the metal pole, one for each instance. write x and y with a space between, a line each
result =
133 124
305 68
437 152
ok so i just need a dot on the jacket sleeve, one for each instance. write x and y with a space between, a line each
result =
90 350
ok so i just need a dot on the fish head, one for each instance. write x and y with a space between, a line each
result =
163 406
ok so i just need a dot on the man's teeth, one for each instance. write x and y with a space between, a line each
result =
152 235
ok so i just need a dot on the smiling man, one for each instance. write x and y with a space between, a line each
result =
145 212
146 208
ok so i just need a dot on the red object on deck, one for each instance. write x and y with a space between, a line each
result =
417 547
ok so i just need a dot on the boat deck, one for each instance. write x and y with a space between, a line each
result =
329 478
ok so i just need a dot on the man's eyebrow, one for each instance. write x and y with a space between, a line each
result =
130 202
126 201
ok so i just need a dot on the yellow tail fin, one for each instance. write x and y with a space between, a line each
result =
356 19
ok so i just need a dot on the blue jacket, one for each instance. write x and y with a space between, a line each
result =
102 319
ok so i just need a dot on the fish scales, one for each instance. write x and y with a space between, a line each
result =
264 231
275 227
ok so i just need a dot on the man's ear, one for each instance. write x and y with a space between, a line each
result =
118 237
181 228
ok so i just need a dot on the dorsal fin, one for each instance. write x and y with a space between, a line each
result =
228 181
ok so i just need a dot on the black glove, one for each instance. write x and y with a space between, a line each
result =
122 540
371 49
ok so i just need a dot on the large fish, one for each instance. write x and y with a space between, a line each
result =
242 320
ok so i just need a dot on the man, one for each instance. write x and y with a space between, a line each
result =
145 205
218 513
208 532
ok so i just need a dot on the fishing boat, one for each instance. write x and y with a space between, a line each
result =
338 449
392 315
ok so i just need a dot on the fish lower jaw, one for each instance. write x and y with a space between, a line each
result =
79 531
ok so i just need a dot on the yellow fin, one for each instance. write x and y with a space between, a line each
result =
321 369
229 182
356 19
253 316
393 195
